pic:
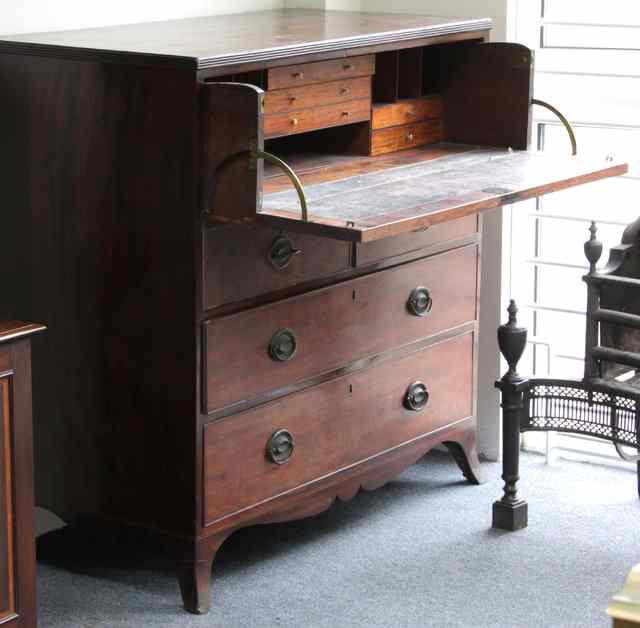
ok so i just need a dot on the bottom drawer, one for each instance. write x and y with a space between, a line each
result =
333 425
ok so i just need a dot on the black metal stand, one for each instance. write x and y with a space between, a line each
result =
510 512
598 405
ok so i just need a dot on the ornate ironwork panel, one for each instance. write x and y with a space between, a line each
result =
580 407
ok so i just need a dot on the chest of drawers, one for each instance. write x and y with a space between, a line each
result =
225 348
17 528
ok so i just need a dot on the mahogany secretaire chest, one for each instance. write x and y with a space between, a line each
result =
17 529
255 241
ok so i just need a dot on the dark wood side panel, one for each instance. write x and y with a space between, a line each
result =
102 231
230 123
334 425
336 326
487 94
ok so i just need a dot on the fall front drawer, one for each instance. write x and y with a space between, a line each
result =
274 346
330 427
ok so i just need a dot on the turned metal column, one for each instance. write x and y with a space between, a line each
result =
510 512
592 251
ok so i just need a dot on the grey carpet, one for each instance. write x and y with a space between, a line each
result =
416 553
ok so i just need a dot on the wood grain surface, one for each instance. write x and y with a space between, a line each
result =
371 252
235 262
335 425
396 138
223 40
320 72
336 326
406 111
400 200
284 100
322 117
17 508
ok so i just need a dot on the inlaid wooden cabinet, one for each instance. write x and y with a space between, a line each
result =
256 242
17 529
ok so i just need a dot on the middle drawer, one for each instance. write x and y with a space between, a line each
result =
323 117
274 346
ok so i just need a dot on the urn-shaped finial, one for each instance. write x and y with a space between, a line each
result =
512 340
593 248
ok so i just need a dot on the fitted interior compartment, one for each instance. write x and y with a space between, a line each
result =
447 137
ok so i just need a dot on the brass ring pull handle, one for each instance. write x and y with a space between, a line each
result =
280 446
416 397
254 153
565 122
283 345
420 301
282 252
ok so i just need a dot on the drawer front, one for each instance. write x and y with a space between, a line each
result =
408 136
371 252
320 72
333 425
323 117
406 112
294 98
244 252
335 326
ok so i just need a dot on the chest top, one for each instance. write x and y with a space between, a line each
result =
214 41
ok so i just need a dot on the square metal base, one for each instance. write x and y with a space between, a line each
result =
510 516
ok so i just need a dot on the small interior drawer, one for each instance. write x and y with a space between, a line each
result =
323 330
294 98
320 72
398 138
244 261
332 426
302 120
406 112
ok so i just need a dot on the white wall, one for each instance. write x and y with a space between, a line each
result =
495 9
32 16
